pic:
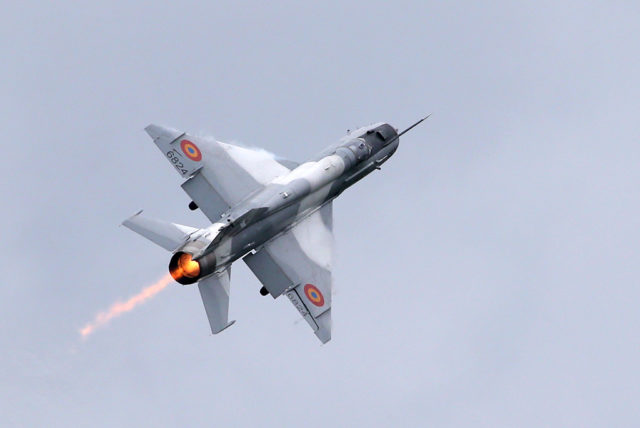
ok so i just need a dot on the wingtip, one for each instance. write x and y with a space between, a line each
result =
157 131
324 339
128 219
153 130
324 327
229 324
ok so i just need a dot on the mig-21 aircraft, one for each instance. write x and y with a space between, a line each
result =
276 215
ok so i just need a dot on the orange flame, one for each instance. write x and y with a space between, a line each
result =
120 308
186 267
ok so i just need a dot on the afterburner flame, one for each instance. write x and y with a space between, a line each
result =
187 267
120 308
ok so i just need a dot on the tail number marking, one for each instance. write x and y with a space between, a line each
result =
175 160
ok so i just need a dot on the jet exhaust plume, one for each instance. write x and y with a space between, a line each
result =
120 308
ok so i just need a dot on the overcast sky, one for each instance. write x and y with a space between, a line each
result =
487 276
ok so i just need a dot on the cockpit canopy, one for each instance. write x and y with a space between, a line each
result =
374 137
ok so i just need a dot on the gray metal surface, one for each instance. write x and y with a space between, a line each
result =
214 291
279 219
169 236
270 274
205 196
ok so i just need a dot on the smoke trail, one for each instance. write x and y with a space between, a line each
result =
120 308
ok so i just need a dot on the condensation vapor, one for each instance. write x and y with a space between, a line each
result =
243 145
120 308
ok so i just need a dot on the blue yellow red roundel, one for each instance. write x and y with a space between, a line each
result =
191 150
314 295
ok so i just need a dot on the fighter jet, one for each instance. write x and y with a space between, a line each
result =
276 215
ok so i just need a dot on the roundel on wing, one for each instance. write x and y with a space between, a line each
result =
314 295
191 150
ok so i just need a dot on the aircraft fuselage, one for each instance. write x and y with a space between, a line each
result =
288 199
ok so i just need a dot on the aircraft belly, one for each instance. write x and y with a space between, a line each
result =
255 235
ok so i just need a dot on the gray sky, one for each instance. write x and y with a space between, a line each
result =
488 276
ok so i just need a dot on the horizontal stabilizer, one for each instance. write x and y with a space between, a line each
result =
214 291
169 236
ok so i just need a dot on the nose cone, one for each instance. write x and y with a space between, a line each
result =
386 132
380 136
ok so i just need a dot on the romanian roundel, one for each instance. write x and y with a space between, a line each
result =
314 295
191 150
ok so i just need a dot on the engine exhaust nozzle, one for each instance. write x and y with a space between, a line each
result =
184 269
